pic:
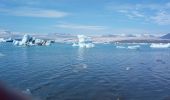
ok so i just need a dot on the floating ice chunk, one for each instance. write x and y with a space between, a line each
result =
121 47
134 47
160 45
82 38
89 45
128 68
27 91
2 40
86 45
74 45
30 41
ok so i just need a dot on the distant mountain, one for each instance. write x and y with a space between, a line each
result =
167 36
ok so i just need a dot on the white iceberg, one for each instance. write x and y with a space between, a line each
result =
2 40
121 47
84 42
134 47
30 41
160 45
75 44
25 41
26 38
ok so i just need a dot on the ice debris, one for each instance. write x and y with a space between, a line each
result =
129 47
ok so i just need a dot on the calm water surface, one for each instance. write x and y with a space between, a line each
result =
63 72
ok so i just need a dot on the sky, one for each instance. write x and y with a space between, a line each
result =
86 16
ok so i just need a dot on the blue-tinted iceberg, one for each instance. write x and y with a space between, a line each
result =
84 42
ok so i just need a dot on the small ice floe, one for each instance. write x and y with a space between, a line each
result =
134 47
121 47
75 44
160 45
2 40
128 68
27 91
30 41
84 42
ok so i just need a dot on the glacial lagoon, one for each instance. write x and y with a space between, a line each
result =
104 72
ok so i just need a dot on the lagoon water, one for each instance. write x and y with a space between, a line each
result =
63 72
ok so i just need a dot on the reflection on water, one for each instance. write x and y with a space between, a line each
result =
61 72
80 65
80 54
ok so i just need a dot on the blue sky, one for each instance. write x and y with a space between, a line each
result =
86 16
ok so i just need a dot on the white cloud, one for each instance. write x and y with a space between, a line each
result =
131 14
34 12
155 13
162 18
81 27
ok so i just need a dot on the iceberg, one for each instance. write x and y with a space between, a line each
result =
134 47
160 45
26 38
31 41
25 41
75 44
9 40
84 42
2 40
121 47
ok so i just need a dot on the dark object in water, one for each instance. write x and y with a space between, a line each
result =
9 94
9 40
